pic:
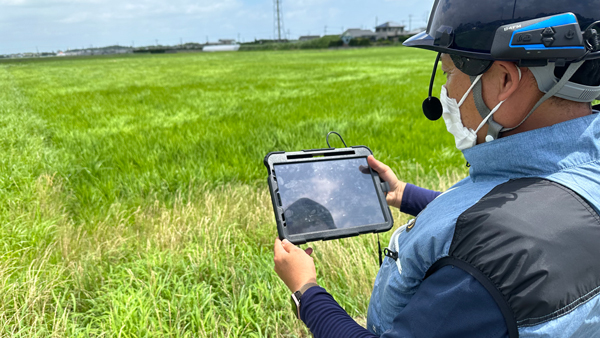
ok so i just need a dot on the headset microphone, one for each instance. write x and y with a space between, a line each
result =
432 107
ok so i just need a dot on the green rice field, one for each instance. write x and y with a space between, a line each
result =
133 194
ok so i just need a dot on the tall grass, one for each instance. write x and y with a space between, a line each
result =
132 190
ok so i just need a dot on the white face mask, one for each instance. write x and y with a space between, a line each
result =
464 137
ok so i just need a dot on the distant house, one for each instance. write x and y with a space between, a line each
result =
355 33
74 52
226 41
389 30
309 37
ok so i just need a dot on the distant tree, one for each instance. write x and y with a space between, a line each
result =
336 43
360 42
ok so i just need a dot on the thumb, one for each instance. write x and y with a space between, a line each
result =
278 248
377 165
384 171
288 246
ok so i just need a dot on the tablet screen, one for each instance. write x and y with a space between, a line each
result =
327 195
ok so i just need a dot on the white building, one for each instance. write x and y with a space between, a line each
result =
221 48
389 29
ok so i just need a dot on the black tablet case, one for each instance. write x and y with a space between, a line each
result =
314 155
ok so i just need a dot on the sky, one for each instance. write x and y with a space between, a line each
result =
52 25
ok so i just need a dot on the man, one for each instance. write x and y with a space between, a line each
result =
512 250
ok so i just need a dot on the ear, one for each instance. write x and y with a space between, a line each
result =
509 79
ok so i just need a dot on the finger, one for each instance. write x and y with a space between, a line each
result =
288 246
309 251
384 171
377 165
278 249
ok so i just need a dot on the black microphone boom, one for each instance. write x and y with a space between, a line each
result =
432 107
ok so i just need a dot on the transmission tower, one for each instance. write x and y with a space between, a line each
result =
278 29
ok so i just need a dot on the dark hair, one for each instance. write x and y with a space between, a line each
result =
588 74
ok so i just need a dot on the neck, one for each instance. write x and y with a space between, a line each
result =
551 112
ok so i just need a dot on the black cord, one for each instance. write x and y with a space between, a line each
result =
379 245
435 65
585 55
340 136
591 37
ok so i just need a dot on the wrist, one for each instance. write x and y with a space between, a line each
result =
400 194
299 286
312 282
297 297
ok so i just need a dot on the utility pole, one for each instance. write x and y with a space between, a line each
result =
156 41
180 41
325 30
238 40
376 22
410 22
278 28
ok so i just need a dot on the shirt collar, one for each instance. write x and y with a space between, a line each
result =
539 152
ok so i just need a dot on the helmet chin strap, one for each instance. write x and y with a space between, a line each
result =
494 128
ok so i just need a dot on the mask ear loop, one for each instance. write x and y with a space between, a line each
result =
464 98
487 118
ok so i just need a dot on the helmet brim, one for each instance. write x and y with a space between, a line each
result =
426 41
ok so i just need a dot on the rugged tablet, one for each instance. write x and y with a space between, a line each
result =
326 194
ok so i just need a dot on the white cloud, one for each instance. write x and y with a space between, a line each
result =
12 2
74 18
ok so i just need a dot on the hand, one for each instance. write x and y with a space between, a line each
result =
294 266
394 197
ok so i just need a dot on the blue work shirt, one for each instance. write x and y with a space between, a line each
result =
450 302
